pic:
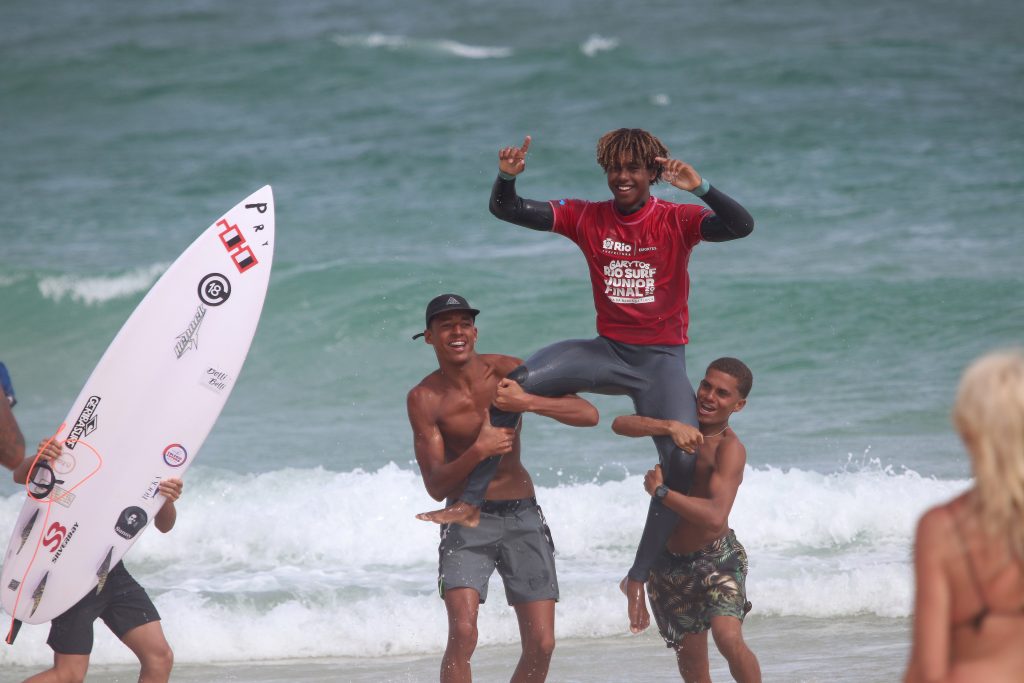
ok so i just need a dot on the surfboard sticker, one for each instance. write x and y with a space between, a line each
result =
104 571
142 415
37 594
27 530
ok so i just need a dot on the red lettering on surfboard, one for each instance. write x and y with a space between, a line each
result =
54 535
234 242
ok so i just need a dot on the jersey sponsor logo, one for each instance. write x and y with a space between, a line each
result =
188 339
629 282
239 251
643 249
616 247
214 289
85 424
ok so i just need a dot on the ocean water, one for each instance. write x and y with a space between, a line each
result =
878 146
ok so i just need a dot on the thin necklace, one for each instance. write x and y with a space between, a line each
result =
711 436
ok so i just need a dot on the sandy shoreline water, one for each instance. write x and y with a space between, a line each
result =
796 650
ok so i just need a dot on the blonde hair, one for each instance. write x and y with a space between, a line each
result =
989 414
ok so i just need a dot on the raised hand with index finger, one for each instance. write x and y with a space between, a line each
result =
512 160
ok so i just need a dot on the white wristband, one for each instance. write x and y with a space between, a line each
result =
701 189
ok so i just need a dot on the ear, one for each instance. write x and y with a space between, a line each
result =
739 405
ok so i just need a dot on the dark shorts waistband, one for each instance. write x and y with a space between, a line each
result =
507 507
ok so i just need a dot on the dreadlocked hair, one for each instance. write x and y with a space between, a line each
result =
631 144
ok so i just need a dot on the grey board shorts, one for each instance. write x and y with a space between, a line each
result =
513 538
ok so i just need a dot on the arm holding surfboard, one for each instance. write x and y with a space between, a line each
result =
50 450
168 515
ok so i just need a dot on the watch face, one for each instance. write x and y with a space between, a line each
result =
661 491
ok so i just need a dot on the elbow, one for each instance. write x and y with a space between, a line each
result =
588 418
497 210
435 492
618 426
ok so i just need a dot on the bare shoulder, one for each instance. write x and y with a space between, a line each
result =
936 523
500 363
731 452
429 389
935 539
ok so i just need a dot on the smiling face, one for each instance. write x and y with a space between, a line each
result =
630 183
453 336
718 397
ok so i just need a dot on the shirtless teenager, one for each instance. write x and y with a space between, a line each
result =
448 413
637 248
699 581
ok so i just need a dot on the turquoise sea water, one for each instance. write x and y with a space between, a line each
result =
878 146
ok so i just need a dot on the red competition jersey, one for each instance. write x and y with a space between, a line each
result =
638 265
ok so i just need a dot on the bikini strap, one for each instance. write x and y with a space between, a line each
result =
958 532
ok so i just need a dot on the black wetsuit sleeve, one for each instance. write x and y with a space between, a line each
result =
730 221
509 206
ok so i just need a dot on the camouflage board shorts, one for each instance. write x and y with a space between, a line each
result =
686 591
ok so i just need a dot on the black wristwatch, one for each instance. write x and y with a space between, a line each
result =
661 491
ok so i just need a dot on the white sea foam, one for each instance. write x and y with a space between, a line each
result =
596 44
309 562
399 43
99 289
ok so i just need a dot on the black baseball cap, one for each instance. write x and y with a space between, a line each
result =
444 303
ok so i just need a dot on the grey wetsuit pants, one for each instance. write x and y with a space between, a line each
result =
653 376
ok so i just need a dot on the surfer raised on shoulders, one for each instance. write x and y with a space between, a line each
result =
448 413
120 601
637 248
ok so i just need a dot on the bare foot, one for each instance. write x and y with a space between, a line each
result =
639 617
456 513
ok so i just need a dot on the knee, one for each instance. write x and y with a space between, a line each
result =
729 641
462 634
159 661
540 646
68 675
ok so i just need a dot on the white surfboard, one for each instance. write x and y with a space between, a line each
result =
142 416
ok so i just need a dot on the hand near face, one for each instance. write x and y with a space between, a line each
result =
686 437
679 173
512 160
